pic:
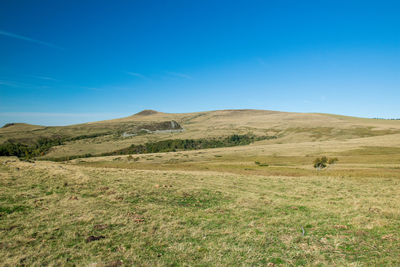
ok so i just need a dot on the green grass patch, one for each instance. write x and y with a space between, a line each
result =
12 209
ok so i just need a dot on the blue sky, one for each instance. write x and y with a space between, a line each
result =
64 62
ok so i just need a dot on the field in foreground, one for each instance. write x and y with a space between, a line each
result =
261 203
207 211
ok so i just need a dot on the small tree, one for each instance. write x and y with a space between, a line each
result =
320 163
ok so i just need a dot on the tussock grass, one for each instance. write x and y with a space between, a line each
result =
77 215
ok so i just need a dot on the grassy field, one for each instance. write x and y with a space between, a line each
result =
144 213
261 204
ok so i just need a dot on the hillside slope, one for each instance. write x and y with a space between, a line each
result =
151 126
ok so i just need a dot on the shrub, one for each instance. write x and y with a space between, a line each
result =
261 164
332 160
320 163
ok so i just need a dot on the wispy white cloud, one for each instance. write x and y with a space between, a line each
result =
9 83
135 74
91 88
178 74
24 38
46 78
5 83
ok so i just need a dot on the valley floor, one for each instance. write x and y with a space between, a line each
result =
216 209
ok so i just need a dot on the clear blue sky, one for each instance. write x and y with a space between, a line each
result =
65 62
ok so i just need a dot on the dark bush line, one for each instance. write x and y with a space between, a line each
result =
24 151
188 144
40 148
173 145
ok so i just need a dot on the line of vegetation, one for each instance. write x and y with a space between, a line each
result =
261 164
41 146
173 145
189 144
390 119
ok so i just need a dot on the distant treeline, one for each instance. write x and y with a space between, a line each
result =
390 119
41 146
173 145
29 151
189 144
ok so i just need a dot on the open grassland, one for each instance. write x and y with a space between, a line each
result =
261 204
377 156
236 212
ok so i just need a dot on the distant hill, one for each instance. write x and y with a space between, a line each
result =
147 112
151 125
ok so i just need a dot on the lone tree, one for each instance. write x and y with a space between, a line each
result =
321 163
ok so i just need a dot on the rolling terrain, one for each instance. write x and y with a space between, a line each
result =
246 193
152 126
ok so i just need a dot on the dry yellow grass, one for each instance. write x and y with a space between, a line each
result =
177 217
258 204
